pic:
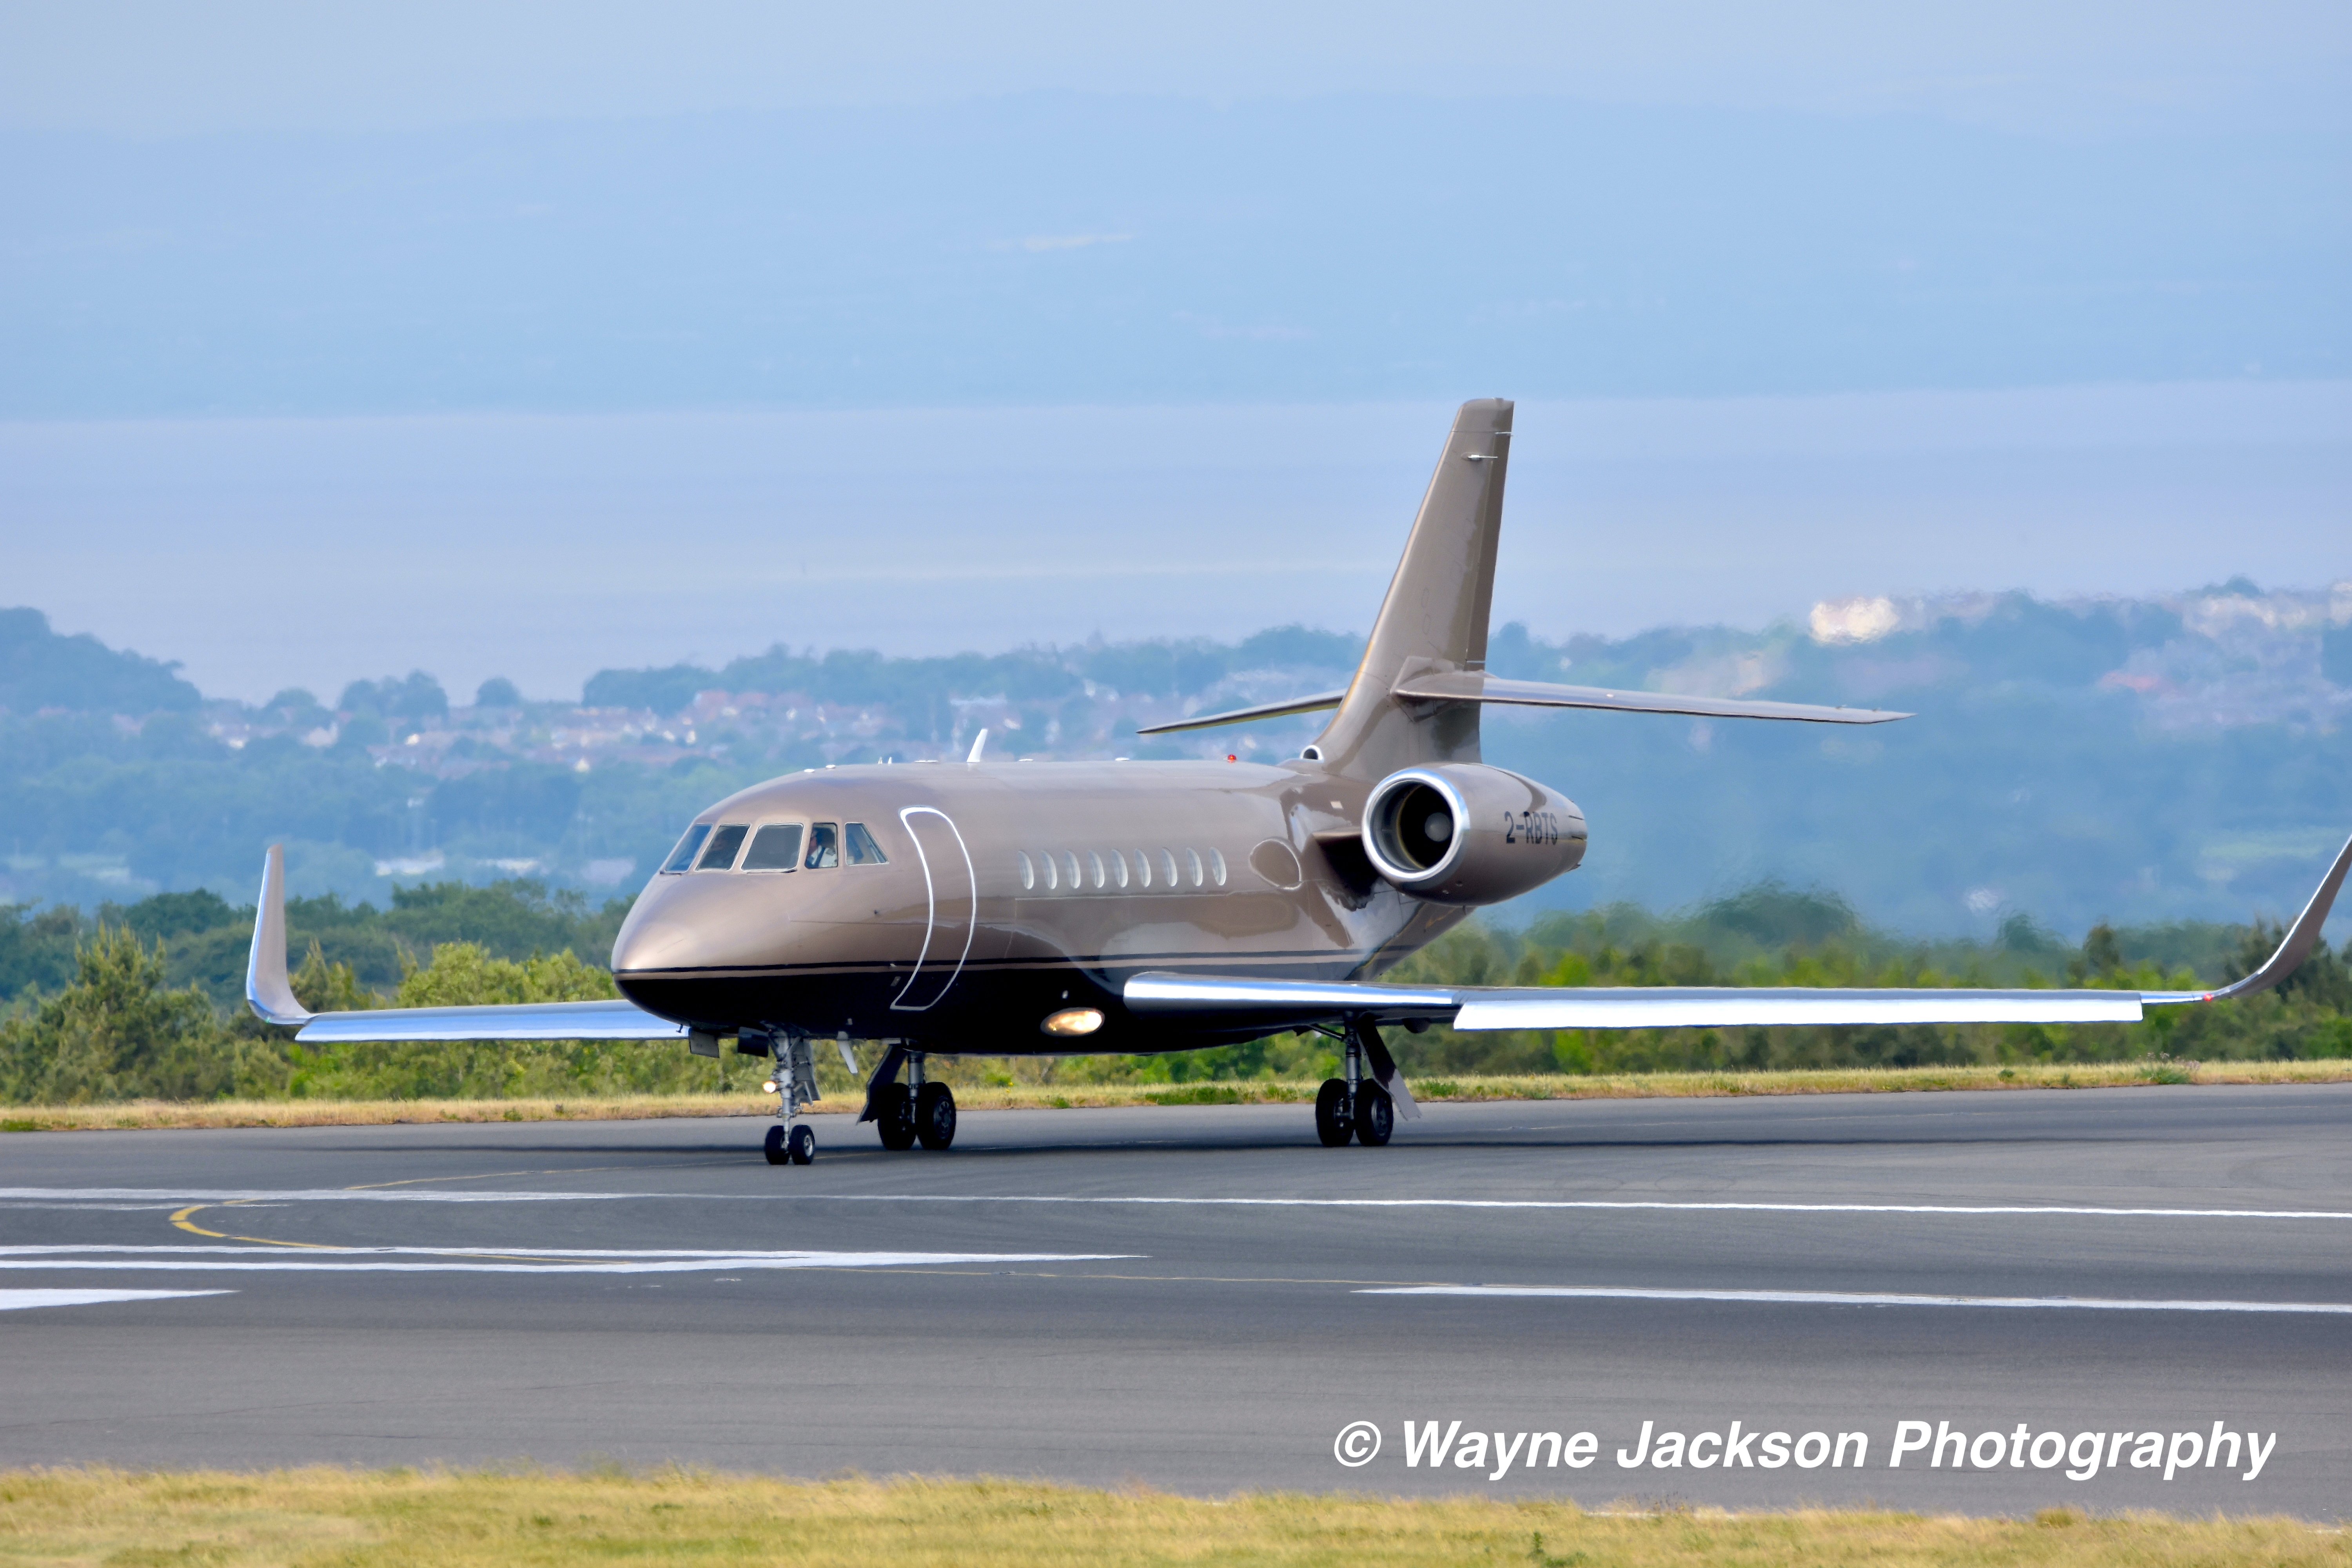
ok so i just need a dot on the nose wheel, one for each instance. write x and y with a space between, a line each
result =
790 1141
797 1147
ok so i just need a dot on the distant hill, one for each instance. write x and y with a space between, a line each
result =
40 669
2134 760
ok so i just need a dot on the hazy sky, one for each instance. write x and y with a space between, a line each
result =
311 552
161 66
530 339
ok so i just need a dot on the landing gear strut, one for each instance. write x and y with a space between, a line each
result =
789 1141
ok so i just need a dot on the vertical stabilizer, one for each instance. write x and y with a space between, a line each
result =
1435 618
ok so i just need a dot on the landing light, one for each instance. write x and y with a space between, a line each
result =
1072 1021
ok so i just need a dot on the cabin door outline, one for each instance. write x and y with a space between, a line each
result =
949 903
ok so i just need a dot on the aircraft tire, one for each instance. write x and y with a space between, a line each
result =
935 1116
775 1150
1375 1116
894 1117
1331 1124
800 1147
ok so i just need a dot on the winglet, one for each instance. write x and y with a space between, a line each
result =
267 990
2301 938
979 744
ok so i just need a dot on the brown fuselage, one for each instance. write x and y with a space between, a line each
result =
1013 892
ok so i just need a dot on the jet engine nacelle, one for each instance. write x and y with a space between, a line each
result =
1463 833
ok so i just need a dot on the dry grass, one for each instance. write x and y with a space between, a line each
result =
348 1518
133 1114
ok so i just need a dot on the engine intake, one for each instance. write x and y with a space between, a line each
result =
1464 833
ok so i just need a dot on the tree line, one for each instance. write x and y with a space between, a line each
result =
144 1001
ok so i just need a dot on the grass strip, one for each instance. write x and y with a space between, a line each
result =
149 1114
457 1519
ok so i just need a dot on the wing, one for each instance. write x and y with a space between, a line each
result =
1224 1002
269 994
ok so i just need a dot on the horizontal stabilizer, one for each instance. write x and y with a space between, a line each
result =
1472 686
1475 686
1314 704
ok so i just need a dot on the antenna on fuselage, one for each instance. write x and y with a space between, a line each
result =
979 744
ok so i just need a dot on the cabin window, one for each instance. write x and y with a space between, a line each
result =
1143 866
1118 868
1028 874
1102 877
1070 868
1192 864
825 846
1053 877
720 853
1168 866
775 847
863 850
683 856
1217 867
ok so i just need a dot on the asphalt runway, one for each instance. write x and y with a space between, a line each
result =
1202 1299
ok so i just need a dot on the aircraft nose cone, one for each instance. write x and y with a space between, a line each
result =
653 944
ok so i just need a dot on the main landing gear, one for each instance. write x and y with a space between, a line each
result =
1357 1106
917 1111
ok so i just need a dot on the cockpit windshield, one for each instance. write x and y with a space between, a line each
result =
777 848
863 850
683 856
825 846
719 855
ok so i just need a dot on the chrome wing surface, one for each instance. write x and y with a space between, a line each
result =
271 996
1276 1004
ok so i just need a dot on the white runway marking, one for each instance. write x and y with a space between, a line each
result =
96 1196
16 1300
1599 1204
494 1260
1842 1299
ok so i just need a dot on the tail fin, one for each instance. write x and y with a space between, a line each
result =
1435 618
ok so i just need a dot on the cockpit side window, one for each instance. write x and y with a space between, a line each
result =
825 846
863 850
776 847
683 856
719 855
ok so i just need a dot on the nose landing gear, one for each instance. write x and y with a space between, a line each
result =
789 1141
797 1147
